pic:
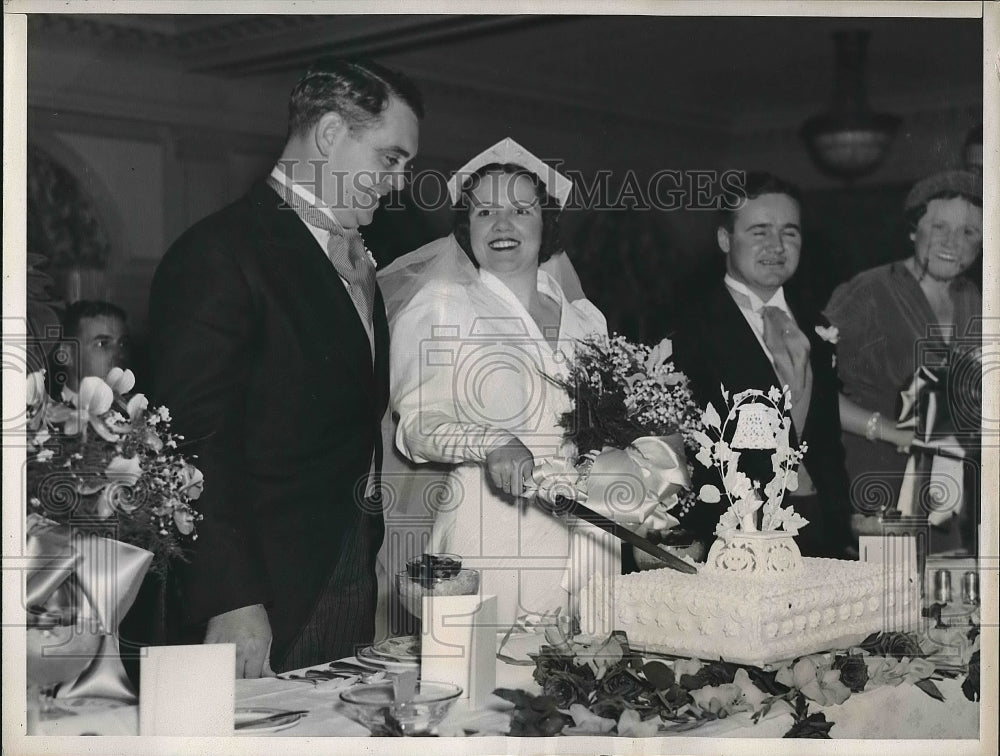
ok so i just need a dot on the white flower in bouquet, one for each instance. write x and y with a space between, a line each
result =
556 477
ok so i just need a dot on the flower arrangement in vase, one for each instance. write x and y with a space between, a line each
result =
103 456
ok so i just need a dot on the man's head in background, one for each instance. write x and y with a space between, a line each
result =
95 339
762 237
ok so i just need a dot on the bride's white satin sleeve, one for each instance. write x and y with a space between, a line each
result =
593 322
422 380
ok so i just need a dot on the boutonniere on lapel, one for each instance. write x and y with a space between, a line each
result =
831 335
828 333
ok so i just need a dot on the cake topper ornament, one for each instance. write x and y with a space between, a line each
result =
756 421
757 427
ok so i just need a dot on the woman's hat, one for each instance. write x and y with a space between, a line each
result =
947 182
509 151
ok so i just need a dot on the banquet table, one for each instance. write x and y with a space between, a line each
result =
901 712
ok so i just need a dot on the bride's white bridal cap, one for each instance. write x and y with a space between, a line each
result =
509 151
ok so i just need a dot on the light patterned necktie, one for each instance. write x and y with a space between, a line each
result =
790 349
345 248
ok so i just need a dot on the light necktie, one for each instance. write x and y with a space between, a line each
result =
345 248
790 349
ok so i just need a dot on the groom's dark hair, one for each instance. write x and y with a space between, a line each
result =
357 90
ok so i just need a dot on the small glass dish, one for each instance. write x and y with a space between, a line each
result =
434 575
428 566
375 706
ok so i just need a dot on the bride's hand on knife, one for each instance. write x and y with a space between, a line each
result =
509 467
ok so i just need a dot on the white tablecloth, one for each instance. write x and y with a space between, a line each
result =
903 712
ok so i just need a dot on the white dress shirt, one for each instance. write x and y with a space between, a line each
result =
751 305
322 236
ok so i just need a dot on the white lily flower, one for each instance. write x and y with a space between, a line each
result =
136 406
120 381
92 402
35 388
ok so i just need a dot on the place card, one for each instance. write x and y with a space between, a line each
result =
458 644
187 690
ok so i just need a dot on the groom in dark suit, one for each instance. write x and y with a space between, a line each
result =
744 334
270 348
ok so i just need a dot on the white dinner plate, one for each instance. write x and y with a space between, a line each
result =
368 657
403 648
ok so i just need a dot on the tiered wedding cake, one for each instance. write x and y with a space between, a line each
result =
755 600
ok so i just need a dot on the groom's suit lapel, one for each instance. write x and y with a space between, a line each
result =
738 347
327 315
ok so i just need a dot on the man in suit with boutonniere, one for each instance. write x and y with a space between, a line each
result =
270 347
749 332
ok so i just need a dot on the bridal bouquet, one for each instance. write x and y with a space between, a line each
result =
632 418
104 457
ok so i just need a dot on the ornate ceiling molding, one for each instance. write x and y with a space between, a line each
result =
162 33
95 30
262 49
244 45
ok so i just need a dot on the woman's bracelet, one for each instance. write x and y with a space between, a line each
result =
871 429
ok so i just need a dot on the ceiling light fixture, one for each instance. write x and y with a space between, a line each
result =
849 141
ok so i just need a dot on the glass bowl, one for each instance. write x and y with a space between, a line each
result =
411 591
374 706
427 566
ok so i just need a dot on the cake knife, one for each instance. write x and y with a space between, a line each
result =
624 534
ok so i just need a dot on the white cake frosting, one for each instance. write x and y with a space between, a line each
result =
757 618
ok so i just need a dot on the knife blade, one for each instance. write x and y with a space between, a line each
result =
626 535
270 719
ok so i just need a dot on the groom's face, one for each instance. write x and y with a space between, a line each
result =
364 164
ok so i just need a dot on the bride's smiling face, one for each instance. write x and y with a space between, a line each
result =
505 223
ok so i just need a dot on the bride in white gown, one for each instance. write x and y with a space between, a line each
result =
471 347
